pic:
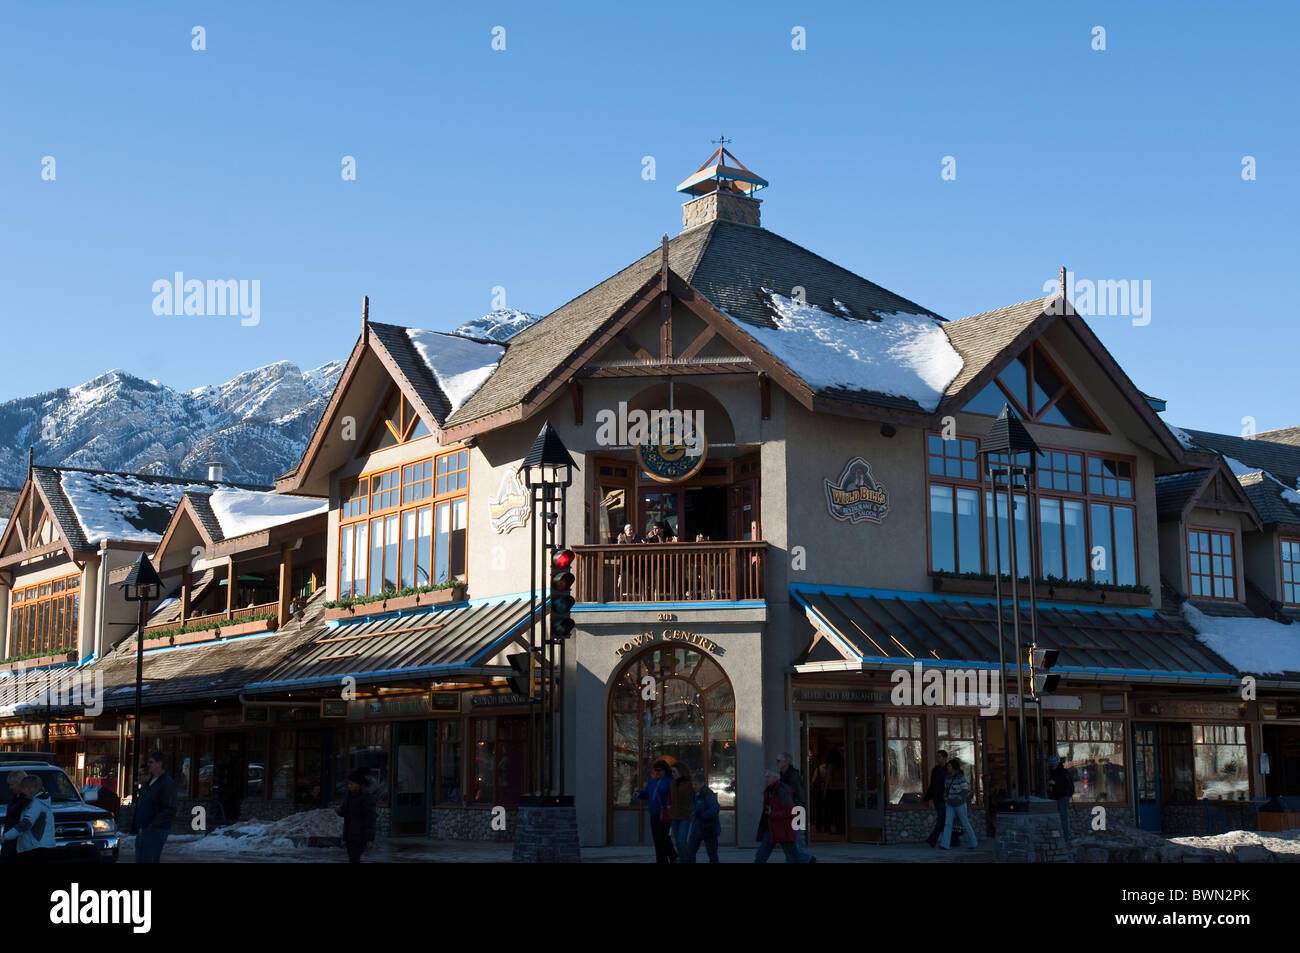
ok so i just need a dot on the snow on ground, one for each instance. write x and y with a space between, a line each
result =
114 506
1278 842
499 325
905 355
248 511
272 836
459 365
1261 646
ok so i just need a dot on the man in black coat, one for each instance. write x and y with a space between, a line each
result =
359 816
18 802
155 811
938 776
1060 784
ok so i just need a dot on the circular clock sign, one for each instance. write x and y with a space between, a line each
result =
672 456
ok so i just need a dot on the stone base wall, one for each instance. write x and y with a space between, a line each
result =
470 824
1030 838
547 834
910 825
720 205
1185 820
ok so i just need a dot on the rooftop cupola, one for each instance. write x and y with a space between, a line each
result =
722 189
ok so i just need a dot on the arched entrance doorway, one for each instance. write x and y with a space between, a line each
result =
676 703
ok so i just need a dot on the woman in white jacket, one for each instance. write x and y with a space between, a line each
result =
956 793
35 829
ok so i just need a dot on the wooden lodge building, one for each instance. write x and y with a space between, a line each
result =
832 535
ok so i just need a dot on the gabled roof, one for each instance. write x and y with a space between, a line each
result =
228 513
94 506
989 341
736 269
1216 488
1267 469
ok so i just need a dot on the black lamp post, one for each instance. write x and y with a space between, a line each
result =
1009 439
142 585
547 471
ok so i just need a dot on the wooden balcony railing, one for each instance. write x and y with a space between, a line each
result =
670 572
213 618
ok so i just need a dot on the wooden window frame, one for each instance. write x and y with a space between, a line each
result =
46 602
1211 532
1034 493
1282 561
400 509
1036 352
407 418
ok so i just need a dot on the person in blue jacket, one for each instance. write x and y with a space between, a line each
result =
704 822
655 794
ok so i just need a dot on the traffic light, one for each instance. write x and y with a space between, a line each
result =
561 595
1040 662
521 677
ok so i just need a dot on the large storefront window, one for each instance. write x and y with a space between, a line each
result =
1222 767
1093 752
177 751
43 618
404 527
365 748
450 753
500 760
689 717
903 757
957 736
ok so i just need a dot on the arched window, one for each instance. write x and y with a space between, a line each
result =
671 702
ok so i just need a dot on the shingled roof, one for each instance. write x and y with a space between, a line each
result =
1278 458
1175 490
981 338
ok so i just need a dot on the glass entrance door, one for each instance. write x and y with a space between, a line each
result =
827 777
1146 775
866 796
413 743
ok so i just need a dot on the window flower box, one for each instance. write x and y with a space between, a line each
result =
416 600
59 658
1043 591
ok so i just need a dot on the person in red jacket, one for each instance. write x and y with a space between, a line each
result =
776 824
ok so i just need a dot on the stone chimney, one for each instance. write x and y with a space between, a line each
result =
216 472
723 190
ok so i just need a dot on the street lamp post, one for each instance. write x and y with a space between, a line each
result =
142 585
1009 438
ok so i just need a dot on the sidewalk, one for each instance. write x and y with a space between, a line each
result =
423 850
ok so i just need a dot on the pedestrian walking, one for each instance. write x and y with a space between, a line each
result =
655 794
13 814
1061 783
792 779
934 793
155 811
705 810
775 823
681 801
33 835
359 816
956 793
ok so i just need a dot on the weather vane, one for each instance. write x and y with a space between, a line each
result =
720 141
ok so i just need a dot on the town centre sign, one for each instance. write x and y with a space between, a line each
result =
668 635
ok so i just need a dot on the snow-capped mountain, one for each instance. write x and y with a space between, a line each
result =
256 424
498 325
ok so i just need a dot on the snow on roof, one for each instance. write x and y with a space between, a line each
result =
122 507
499 325
459 365
1238 468
902 354
250 511
1181 436
1261 646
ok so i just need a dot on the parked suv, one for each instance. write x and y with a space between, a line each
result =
81 832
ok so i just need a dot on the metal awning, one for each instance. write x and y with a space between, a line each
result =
871 628
441 641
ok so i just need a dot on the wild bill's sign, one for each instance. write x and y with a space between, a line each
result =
856 496
509 508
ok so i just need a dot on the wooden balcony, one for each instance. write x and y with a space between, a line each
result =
670 572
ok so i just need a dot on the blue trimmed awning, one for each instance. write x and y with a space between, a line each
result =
871 627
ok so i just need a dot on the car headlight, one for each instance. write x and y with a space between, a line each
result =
105 825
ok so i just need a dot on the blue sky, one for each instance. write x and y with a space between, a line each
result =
522 168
